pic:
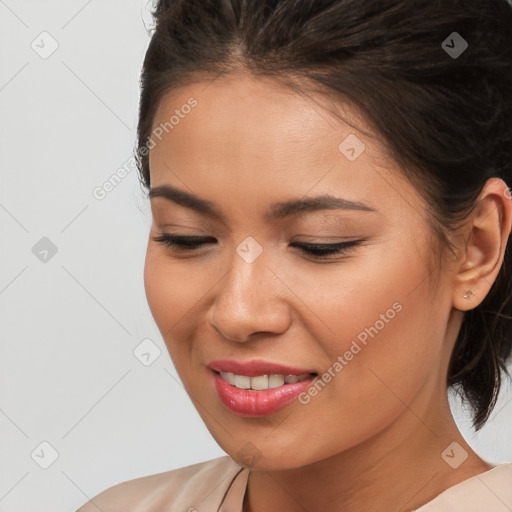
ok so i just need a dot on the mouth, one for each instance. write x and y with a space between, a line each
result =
256 388
262 382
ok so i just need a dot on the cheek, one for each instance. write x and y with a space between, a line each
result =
385 297
171 292
379 327
391 335
178 295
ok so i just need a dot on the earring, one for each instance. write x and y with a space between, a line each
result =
468 294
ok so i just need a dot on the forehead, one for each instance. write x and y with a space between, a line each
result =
260 134
244 111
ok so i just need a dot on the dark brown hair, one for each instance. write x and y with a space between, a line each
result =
445 118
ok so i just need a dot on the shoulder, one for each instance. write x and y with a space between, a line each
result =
490 491
196 487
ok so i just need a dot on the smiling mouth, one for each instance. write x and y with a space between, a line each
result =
262 382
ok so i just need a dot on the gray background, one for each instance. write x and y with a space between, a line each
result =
71 319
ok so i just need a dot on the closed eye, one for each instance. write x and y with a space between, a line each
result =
190 244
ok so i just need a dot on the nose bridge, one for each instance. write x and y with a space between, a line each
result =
242 305
246 288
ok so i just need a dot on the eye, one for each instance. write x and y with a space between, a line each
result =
323 250
183 243
191 244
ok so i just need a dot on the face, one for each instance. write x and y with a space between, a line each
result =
363 321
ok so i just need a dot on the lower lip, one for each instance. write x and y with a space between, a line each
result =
249 402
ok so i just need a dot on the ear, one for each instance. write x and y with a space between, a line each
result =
486 232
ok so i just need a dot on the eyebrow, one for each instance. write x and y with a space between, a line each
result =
277 210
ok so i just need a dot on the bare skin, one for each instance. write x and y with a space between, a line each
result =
372 439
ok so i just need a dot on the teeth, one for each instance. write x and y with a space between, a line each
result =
261 382
242 382
230 377
291 379
274 381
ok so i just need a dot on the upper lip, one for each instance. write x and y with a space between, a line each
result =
255 367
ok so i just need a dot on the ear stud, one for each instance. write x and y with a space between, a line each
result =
468 294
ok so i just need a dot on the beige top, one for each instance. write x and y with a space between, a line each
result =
219 485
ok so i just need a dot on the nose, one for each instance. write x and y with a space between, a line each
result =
249 300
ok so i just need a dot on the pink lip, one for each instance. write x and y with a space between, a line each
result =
255 367
252 403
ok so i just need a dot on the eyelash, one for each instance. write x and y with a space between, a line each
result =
192 243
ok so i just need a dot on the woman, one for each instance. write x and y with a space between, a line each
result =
329 249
